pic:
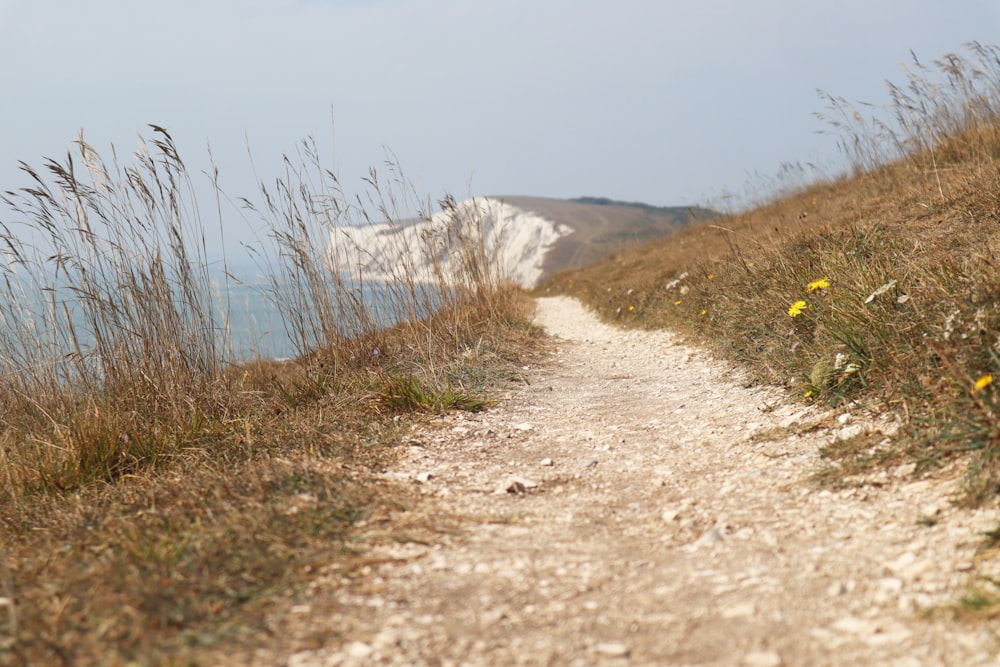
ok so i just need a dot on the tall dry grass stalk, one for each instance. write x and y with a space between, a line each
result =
114 353
114 358
110 350
950 100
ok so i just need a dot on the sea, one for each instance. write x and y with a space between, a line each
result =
256 327
250 313
250 319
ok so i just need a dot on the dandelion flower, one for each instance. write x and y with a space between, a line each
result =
796 308
704 312
711 276
983 382
677 303
822 283
631 308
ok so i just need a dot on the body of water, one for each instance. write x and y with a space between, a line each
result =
252 319
258 328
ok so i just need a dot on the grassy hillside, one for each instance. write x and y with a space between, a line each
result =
603 226
880 290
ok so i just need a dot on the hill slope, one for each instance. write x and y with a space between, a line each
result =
602 227
878 290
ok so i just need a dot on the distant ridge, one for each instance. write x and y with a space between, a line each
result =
602 226
532 238
679 211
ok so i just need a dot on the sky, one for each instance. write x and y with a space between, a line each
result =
667 102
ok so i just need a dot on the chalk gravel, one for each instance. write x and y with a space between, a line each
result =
635 504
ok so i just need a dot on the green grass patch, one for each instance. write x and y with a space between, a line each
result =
409 395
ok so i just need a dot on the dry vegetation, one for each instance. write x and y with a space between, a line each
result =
158 500
880 288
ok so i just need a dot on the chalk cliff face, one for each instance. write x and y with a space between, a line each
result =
525 239
512 240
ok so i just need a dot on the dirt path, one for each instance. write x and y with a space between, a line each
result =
659 514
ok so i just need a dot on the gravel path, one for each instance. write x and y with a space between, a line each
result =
636 505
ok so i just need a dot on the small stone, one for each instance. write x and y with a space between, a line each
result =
424 477
741 610
917 569
515 485
823 635
904 561
524 426
711 537
385 640
358 650
794 419
762 659
546 462
964 566
848 432
612 649
890 585
844 419
889 589
836 589
855 626
893 635
930 510
670 515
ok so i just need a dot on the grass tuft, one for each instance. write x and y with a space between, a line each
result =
408 395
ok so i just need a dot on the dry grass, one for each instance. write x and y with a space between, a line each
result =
878 289
160 500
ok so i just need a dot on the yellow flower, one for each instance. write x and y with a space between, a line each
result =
822 283
711 276
677 303
808 394
631 308
796 308
704 312
983 382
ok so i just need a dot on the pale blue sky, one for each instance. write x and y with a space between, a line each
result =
666 102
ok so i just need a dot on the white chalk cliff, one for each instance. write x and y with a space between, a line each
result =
513 240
